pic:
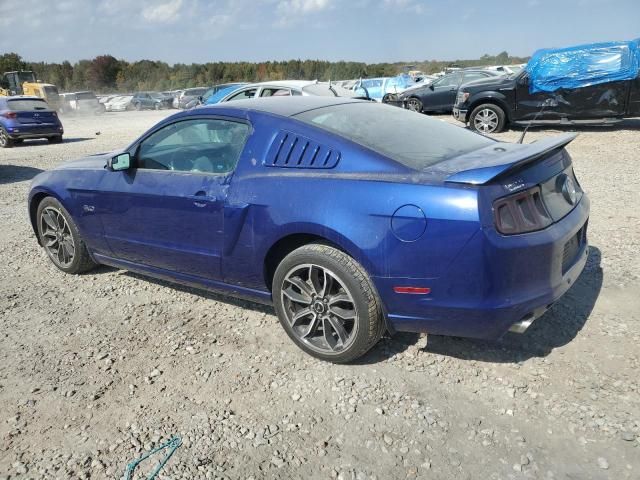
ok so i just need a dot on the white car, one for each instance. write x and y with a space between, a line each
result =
118 104
287 88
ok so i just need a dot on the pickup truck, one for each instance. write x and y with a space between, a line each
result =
490 105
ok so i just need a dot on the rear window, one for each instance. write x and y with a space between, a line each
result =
51 92
411 139
27 105
195 91
86 96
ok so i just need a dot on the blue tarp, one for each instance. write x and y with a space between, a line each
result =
583 65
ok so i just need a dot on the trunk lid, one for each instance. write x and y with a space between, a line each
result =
486 164
30 111
36 117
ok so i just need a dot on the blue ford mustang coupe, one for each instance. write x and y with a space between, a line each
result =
352 218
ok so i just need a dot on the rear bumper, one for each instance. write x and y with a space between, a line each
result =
24 132
460 114
494 283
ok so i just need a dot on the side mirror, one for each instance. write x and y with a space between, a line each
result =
431 87
524 80
119 162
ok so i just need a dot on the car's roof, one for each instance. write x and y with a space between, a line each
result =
22 97
283 83
283 106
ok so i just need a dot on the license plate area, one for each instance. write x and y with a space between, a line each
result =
572 248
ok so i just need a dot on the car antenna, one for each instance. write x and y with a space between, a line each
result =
547 103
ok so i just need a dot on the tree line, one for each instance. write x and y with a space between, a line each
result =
106 73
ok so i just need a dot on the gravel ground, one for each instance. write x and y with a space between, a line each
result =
99 368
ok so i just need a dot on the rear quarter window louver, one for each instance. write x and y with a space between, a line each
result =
290 150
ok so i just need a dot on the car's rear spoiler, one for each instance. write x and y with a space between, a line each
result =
481 166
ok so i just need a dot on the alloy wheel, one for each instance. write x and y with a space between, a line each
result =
57 237
3 138
486 121
320 309
414 105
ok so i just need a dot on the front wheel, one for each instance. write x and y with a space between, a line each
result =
414 104
56 139
138 106
326 303
60 238
487 118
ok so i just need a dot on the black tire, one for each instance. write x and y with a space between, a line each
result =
389 97
348 280
81 261
487 118
5 140
414 104
56 139
157 106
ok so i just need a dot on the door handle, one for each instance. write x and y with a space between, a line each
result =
200 199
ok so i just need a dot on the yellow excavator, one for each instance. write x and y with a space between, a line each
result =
25 83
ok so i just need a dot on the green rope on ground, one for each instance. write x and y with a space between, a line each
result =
172 444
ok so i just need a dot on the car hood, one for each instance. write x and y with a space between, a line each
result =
415 89
92 162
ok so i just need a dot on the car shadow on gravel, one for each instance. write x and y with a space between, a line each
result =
217 297
44 141
17 173
559 326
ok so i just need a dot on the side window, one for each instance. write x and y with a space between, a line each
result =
244 94
470 77
451 80
275 92
197 146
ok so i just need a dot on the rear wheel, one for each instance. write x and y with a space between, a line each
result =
487 118
5 139
414 104
138 106
56 139
326 303
60 238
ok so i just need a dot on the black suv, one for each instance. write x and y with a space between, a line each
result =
488 106
440 95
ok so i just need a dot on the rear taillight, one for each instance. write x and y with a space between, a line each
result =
10 115
521 212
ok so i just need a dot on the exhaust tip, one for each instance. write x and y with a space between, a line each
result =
521 326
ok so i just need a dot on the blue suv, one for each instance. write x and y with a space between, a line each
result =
24 117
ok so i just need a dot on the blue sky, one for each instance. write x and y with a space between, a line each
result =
254 30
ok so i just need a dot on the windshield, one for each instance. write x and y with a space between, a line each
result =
27 105
156 96
220 94
26 77
415 141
